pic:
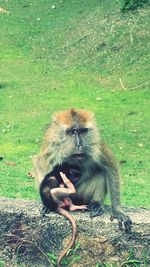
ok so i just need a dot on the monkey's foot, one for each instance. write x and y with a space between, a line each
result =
67 202
95 209
77 207
125 223
44 211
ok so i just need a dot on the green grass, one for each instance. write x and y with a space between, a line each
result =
72 256
75 55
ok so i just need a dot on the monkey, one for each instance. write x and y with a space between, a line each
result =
73 145
59 198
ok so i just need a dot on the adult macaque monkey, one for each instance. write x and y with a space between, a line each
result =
73 146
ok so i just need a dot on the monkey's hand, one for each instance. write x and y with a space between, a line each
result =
125 223
95 209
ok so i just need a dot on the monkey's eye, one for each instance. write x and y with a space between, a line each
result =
83 131
70 132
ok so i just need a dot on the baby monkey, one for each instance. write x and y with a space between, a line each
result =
61 197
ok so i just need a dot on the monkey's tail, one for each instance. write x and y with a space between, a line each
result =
66 214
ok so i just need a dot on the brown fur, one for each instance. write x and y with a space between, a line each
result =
69 117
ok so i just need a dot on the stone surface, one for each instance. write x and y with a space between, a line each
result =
26 236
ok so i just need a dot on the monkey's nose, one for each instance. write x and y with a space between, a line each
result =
79 147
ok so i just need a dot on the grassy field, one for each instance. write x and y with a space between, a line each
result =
85 54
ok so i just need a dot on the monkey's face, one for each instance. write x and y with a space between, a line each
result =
74 134
78 138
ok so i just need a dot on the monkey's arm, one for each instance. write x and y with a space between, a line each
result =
113 185
38 170
117 212
43 163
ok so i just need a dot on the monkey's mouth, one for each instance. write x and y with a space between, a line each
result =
79 157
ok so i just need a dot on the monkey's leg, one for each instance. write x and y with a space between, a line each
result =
96 205
47 184
67 182
73 207
60 193
77 207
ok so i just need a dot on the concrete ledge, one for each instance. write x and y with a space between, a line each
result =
25 236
